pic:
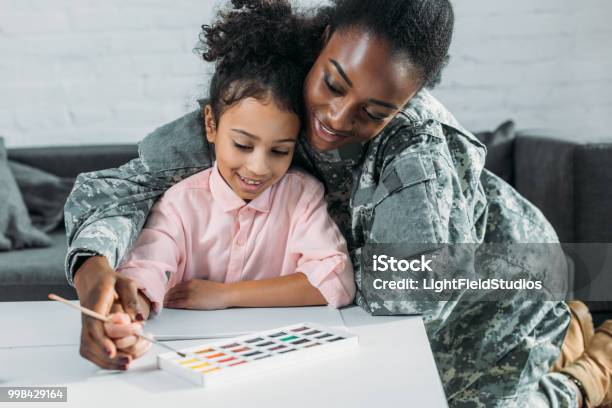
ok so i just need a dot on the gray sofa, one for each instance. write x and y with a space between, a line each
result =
571 182
30 274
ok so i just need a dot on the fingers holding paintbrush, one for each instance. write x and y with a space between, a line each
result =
119 327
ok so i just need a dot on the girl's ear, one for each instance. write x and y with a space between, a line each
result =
209 124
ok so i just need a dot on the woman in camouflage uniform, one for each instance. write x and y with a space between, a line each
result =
398 168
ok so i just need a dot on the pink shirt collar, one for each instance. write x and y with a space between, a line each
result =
228 200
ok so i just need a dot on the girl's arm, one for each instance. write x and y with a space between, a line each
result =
282 291
289 290
155 260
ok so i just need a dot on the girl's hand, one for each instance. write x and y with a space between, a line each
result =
124 334
198 294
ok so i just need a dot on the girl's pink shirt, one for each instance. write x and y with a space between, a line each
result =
200 229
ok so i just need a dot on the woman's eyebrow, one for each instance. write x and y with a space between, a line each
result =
341 72
383 103
350 83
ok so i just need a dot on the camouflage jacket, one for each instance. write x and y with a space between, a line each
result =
421 180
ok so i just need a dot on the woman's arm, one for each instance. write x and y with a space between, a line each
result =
104 215
107 209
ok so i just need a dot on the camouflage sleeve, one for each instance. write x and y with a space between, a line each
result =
554 390
107 209
418 200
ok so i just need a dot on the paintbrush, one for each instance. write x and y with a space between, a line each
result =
106 319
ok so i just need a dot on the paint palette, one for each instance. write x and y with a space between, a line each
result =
225 361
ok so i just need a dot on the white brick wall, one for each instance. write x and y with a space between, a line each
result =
94 71
547 64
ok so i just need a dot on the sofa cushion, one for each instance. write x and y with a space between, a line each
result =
593 192
544 174
44 194
570 182
16 229
35 266
593 184
70 161
500 150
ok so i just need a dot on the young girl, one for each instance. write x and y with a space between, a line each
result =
247 232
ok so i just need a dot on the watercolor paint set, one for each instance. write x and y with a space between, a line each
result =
233 359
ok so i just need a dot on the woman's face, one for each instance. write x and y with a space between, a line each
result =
354 89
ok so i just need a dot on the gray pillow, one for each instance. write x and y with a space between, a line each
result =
500 150
16 230
44 194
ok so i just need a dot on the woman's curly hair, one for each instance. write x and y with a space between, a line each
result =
258 51
262 48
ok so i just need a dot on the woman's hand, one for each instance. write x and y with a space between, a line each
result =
99 287
198 294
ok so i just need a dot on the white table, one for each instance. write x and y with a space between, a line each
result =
393 366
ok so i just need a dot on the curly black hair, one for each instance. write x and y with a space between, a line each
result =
263 48
258 52
419 30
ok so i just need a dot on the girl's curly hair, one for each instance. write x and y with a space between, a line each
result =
259 52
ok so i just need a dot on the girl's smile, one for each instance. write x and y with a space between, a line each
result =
250 185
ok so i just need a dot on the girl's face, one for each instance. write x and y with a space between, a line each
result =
254 143
354 89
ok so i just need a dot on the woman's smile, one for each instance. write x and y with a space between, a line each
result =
325 133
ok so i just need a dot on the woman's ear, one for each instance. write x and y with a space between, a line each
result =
326 34
210 124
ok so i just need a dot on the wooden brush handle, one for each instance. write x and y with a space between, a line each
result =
84 310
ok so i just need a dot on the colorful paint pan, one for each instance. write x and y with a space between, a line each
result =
289 338
219 363
299 329
230 345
